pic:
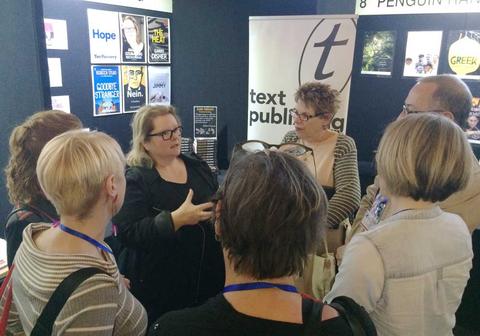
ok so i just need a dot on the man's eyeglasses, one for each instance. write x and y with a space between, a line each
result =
135 73
408 110
305 117
168 134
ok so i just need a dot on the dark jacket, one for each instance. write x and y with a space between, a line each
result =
41 212
168 270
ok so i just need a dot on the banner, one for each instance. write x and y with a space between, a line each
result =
104 36
159 85
106 90
387 7
155 5
287 51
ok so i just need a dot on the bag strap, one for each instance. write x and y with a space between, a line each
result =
313 320
356 316
8 301
45 321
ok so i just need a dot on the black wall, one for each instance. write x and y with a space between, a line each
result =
23 71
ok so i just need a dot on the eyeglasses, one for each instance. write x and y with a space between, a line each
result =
168 134
407 110
253 146
295 149
135 72
305 117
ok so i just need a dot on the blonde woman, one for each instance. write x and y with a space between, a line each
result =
410 271
172 258
81 173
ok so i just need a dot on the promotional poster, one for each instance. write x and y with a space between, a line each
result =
134 89
61 103
422 53
158 40
205 121
55 71
133 38
284 53
155 5
159 85
473 125
378 52
464 53
56 34
104 36
106 90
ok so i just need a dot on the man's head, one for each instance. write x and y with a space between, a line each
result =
135 74
445 94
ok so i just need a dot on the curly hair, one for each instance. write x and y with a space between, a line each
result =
321 97
26 143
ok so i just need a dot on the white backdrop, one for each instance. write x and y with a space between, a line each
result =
286 51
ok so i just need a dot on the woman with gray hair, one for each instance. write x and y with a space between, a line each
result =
409 271
172 258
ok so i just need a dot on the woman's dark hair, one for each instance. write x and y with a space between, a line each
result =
26 143
271 215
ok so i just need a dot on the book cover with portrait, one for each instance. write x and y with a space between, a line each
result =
158 40
133 38
134 79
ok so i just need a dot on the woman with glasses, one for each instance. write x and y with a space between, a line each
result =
171 256
334 160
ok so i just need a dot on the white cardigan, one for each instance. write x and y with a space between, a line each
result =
409 273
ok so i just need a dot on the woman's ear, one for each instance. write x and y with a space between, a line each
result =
111 185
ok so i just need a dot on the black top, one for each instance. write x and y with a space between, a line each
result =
21 216
218 318
168 270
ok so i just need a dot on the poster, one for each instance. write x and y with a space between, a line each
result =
159 85
106 90
463 48
61 103
473 121
104 36
55 72
155 5
158 40
205 121
134 89
378 52
133 38
287 51
56 34
422 53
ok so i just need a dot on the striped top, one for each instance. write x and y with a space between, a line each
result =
101 305
346 182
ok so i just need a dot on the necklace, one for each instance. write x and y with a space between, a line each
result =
399 211
259 285
83 236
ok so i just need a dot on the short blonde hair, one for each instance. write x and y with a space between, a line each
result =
72 169
425 157
142 125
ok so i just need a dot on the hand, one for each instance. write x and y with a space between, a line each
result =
190 214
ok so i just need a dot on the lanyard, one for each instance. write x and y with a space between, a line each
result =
85 237
259 285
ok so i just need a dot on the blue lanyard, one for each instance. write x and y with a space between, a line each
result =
259 285
85 237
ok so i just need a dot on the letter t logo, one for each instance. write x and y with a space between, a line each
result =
327 44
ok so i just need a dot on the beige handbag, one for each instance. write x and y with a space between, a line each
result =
318 275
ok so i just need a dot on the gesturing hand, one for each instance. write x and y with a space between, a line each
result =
189 213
